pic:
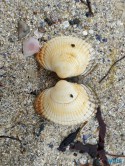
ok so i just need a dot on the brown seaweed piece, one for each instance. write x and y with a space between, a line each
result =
102 132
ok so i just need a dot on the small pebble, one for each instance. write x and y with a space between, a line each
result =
75 21
35 12
82 161
11 38
48 21
41 29
42 24
85 137
104 40
34 92
92 141
85 33
2 72
1 43
43 39
50 145
54 17
75 154
91 31
23 29
119 23
65 24
98 37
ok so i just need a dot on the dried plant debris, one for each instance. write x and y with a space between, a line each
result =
111 68
68 140
23 29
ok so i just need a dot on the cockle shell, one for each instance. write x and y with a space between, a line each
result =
67 56
66 103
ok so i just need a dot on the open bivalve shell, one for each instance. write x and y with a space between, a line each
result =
66 103
67 56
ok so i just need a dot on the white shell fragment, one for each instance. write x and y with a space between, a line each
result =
66 103
38 34
67 56
31 46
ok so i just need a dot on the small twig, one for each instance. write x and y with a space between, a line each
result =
14 138
88 4
81 127
89 7
114 155
92 69
111 68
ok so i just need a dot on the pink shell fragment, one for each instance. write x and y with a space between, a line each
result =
31 46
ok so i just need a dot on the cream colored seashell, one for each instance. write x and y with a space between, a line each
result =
67 56
66 103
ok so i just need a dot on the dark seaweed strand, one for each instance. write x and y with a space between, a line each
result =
102 132
111 68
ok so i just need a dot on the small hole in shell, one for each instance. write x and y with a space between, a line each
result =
73 45
71 95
